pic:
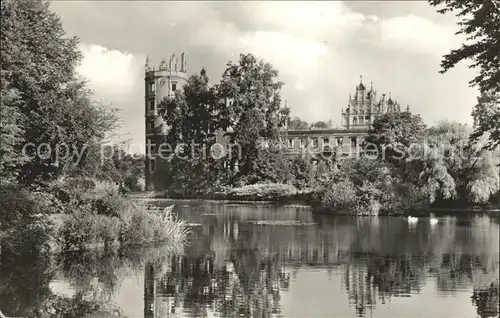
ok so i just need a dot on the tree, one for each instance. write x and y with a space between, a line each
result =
481 26
322 125
251 93
297 123
486 116
54 106
11 135
394 133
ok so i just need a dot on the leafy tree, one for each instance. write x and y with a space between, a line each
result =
455 168
486 116
297 123
481 25
55 108
11 135
251 92
393 134
322 125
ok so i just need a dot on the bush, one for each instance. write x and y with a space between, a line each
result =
24 223
339 196
266 191
133 224
140 225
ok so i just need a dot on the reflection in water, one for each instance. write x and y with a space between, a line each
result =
340 267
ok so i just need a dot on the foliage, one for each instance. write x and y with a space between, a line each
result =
141 225
481 26
55 108
486 116
111 163
103 216
302 172
393 133
322 124
262 191
24 225
297 123
11 137
254 109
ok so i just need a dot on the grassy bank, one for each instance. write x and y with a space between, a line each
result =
73 215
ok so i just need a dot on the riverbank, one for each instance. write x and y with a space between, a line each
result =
283 194
265 193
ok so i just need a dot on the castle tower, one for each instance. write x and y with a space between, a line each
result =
161 82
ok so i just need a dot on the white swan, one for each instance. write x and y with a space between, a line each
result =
433 220
412 219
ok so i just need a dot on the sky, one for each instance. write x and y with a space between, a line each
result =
319 48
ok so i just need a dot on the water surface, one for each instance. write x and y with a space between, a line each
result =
260 260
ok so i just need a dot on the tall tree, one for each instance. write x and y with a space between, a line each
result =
481 25
486 116
38 62
394 133
251 92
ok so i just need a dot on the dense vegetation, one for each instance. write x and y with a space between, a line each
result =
405 164
53 135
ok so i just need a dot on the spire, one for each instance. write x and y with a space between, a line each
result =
408 107
146 65
360 86
371 85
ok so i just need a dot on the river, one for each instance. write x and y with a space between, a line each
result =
257 260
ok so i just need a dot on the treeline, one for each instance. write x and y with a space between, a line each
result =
404 164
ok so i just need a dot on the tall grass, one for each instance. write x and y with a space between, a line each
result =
102 216
141 225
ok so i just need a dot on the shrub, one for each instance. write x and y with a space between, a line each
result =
135 224
140 225
24 223
266 191
339 195
80 229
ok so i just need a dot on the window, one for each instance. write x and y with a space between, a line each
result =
174 86
152 165
301 143
326 141
151 124
151 105
340 141
354 142
315 142
290 143
152 87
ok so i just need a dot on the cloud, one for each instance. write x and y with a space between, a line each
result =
111 72
319 49
116 79
416 34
